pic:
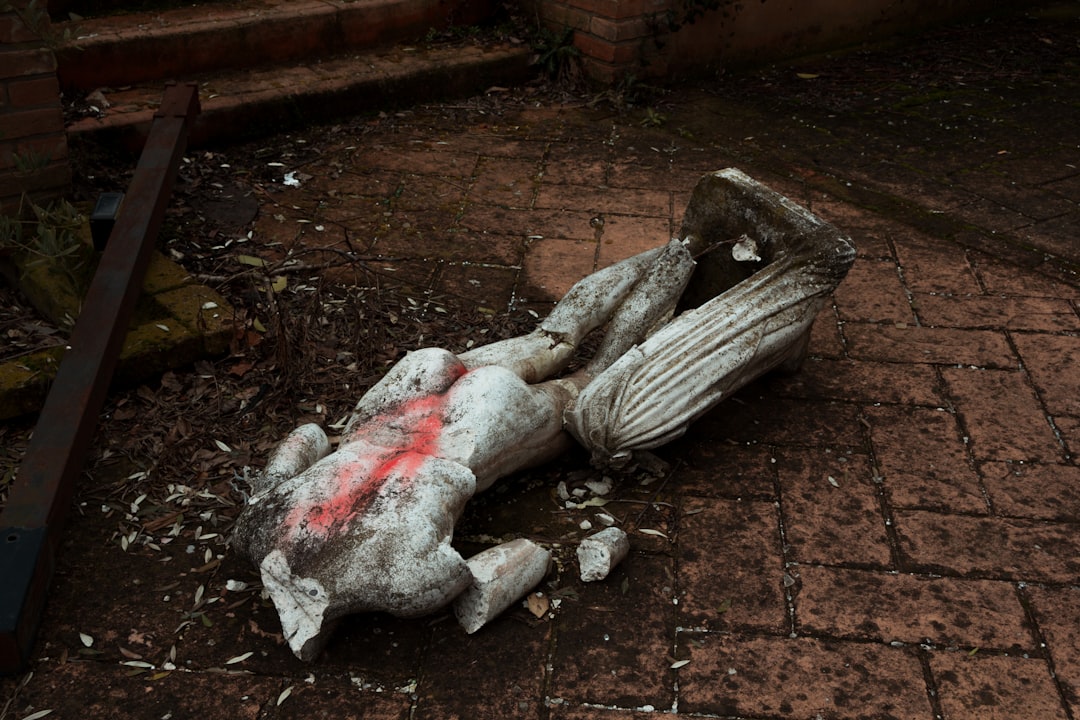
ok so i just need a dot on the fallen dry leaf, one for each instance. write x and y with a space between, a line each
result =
538 604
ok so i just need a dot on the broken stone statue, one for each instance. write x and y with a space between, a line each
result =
368 526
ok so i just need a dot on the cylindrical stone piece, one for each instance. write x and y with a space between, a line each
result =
301 449
599 553
502 575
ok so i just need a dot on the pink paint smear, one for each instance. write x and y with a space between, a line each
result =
417 424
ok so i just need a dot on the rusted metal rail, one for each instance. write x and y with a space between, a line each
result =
39 500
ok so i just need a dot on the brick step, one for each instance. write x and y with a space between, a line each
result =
245 103
62 10
123 49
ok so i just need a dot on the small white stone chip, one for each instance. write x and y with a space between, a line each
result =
502 575
599 553
745 250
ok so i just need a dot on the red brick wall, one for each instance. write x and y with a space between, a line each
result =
634 37
33 146
614 36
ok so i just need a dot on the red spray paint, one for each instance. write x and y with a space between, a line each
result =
403 438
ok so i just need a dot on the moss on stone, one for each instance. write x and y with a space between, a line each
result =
25 380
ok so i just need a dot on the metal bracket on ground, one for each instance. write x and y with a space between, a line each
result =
40 498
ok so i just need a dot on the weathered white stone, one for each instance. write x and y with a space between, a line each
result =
599 553
300 449
502 575
743 319
368 527
301 604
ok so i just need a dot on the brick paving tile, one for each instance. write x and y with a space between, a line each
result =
410 273
1056 611
483 248
506 181
376 652
831 509
864 382
732 675
730 565
354 184
1038 491
1002 415
1037 205
492 288
942 346
1048 169
492 144
498 673
424 192
564 713
553 266
825 338
1054 364
104 691
710 469
1004 278
983 311
410 230
872 234
1067 186
628 173
867 245
341 699
415 158
751 418
280 231
571 164
872 292
623 236
992 216
362 218
933 268
616 650
1056 235
988 547
1069 427
532 224
985 687
618 201
923 460
856 604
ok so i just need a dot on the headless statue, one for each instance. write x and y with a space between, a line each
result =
368 526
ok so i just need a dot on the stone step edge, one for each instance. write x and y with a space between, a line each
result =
126 49
249 104
190 322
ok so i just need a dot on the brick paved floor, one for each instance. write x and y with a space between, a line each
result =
889 533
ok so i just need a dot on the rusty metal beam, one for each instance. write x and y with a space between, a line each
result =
40 498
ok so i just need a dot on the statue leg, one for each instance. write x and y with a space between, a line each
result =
630 297
652 392
758 302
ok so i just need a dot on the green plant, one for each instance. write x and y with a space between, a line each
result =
557 55
653 118
31 161
44 234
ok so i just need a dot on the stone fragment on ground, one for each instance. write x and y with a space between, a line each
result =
599 553
502 575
